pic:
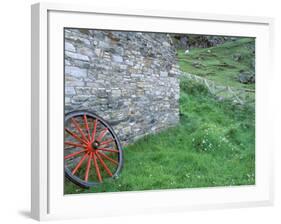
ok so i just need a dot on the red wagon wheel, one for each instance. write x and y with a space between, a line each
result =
92 150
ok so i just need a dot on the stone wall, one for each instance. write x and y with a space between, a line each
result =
128 78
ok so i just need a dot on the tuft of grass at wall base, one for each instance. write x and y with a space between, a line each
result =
213 145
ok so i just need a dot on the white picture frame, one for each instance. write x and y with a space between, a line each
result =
47 198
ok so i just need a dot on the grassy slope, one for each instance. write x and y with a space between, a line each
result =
212 146
218 64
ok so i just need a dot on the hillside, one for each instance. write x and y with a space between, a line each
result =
225 64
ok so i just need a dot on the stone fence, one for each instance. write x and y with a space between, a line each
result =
236 95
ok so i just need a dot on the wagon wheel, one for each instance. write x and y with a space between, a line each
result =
92 150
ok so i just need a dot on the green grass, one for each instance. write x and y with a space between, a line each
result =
213 145
218 63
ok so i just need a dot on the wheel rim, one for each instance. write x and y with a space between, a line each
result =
92 151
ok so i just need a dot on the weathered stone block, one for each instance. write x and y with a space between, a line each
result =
102 93
83 41
117 58
69 47
76 72
163 74
74 83
104 44
116 93
69 90
83 90
80 99
136 75
98 52
86 51
77 56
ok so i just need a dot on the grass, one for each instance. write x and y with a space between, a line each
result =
219 63
213 145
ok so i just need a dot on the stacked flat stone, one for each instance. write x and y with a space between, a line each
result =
128 78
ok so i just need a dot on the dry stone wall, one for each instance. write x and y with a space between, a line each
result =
128 78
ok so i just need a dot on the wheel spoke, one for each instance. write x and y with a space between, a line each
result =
69 147
88 167
79 164
87 127
75 144
105 143
97 168
108 150
77 126
74 154
95 129
102 134
108 158
104 165
75 136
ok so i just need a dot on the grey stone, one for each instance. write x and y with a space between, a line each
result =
83 41
79 99
163 74
104 45
86 51
196 64
76 72
166 44
69 90
83 90
98 52
136 75
127 130
237 57
128 62
77 56
102 93
117 58
116 93
67 100
246 77
69 47
75 83
123 67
